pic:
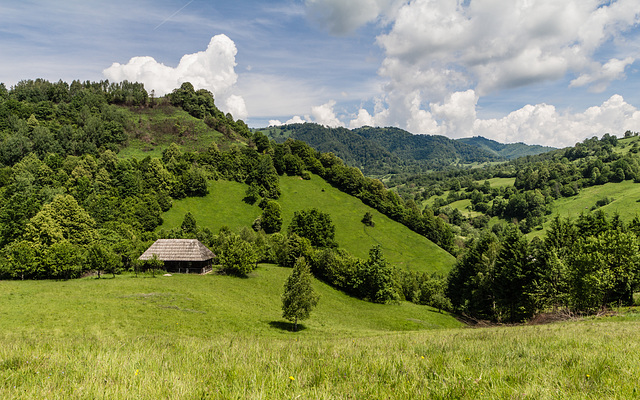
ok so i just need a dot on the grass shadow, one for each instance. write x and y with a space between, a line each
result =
286 326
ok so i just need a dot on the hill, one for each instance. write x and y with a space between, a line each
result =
401 246
382 151
218 337
509 151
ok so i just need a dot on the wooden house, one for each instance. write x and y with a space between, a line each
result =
181 255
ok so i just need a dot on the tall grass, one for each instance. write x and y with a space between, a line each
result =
568 361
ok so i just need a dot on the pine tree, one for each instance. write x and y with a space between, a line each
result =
189 224
298 298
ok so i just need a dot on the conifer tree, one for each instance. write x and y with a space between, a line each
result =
298 298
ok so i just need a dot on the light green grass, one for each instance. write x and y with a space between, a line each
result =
214 337
500 182
401 246
223 206
625 196
464 206
625 203
210 304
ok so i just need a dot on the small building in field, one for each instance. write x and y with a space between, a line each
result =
181 255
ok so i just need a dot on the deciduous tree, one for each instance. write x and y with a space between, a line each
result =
298 298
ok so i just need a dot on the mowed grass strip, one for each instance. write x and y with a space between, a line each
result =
401 246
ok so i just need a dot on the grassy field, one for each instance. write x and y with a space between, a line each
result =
156 128
216 337
401 246
223 206
500 182
625 196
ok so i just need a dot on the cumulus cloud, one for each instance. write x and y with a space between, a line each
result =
505 44
442 56
295 120
324 115
212 69
542 123
603 74
533 124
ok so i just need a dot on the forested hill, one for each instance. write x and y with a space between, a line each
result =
381 151
509 151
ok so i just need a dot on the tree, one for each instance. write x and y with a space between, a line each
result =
62 219
298 298
315 226
271 220
514 276
368 219
379 283
237 256
189 225
101 258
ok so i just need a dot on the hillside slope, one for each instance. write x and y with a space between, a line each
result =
380 151
509 151
401 246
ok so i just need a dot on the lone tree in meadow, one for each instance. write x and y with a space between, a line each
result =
368 219
298 298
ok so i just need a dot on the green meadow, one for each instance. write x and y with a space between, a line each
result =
624 195
219 337
401 246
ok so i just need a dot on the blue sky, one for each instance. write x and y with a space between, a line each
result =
545 71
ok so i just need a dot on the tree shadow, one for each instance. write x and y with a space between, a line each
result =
286 326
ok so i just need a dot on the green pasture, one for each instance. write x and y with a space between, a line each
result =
401 246
222 207
219 337
625 196
500 182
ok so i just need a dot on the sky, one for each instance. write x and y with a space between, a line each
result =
550 72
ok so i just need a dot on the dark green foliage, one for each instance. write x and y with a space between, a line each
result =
514 277
100 258
189 225
510 151
298 298
237 256
271 219
379 151
378 280
314 225
368 219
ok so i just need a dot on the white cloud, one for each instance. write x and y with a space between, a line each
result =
543 124
324 115
363 119
533 124
442 56
603 74
212 69
500 45
295 120
458 113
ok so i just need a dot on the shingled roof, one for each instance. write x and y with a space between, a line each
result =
178 250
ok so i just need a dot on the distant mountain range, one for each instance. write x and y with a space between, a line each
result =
378 151
508 151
